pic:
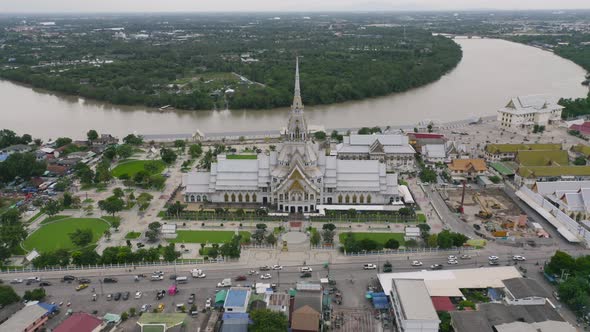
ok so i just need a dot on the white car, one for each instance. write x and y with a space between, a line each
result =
493 258
452 258
265 276
416 263
208 303
369 267
138 295
518 258
452 261
277 267
16 281
145 307
465 256
305 269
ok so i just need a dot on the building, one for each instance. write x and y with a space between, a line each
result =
237 299
296 177
524 291
234 322
527 111
79 322
542 158
412 307
417 140
507 152
528 175
307 308
392 149
467 168
30 318
580 150
571 197
305 319
279 302
434 153
583 128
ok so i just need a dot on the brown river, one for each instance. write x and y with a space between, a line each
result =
490 73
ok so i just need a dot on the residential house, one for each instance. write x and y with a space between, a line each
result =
524 291
30 318
237 299
278 302
467 168
80 322
507 152
305 319
306 310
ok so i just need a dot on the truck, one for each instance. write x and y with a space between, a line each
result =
224 283
198 273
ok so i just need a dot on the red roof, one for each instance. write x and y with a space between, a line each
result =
442 303
59 170
583 128
78 322
425 135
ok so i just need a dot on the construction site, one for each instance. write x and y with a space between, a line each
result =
492 214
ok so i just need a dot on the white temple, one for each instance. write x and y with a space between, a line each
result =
296 177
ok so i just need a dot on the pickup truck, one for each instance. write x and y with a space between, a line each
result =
224 283
157 277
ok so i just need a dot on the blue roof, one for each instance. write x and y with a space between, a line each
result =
380 302
236 298
235 315
47 306
3 157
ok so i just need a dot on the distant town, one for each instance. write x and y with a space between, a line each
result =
473 225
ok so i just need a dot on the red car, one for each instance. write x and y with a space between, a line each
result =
241 278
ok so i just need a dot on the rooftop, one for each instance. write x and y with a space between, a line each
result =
79 322
237 297
498 313
546 326
502 168
542 157
305 319
553 171
513 148
23 318
583 149
525 287
449 282
414 299
478 165
468 321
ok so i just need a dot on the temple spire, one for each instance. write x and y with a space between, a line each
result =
297 102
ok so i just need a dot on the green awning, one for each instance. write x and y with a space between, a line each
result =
220 296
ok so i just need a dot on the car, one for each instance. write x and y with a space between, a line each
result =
161 307
452 262
264 268
69 278
265 276
109 297
518 258
160 273
16 281
493 262
160 294
191 299
416 263
305 269
44 283
109 280
81 287
277 267
33 279
387 267
436 267
452 257
156 277
208 303
172 277
117 296
493 258
84 281
465 256
240 278
306 275
125 296
369 267
138 295
145 308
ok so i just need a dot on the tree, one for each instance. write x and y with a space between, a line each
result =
175 209
111 205
432 241
81 237
103 173
62 141
52 207
391 244
37 294
133 139
168 155
86 256
580 161
574 292
329 227
495 179
320 135
115 224
12 232
151 235
170 254
328 236
405 212
180 144
118 192
124 316
271 239
132 311
261 226
315 238
560 261
424 231
67 200
427 175
258 235
445 240
23 165
265 320
195 150
124 151
92 135
155 226
7 295
411 243
84 173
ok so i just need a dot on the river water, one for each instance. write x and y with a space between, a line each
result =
490 73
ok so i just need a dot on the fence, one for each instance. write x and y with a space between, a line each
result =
409 251
183 262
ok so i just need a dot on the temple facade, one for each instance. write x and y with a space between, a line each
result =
296 177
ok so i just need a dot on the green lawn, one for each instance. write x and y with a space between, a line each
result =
131 167
379 237
54 218
204 236
55 235
110 219
242 156
132 235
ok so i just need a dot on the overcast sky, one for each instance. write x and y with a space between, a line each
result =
277 5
